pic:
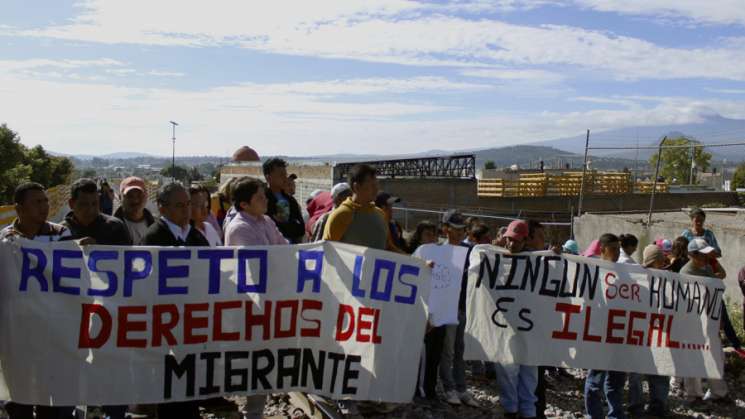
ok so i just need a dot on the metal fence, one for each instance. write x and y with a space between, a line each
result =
439 213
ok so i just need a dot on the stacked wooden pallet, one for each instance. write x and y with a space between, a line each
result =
612 183
648 185
532 184
568 184
498 188
563 184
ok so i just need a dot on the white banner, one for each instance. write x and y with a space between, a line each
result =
572 311
447 276
104 325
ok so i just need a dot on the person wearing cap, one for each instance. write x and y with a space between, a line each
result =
517 383
697 230
132 211
653 257
611 383
571 247
339 193
385 201
699 252
452 364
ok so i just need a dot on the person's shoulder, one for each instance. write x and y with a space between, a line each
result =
378 211
156 227
111 220
341 212
196 238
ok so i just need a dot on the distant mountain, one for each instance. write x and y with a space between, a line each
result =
713 130
110 156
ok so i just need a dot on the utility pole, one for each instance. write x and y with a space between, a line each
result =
693 163
584 172
173 155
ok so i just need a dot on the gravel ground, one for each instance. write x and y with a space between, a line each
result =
565 400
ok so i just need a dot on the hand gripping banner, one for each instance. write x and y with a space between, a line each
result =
105 325
571 311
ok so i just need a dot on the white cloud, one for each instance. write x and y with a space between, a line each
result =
368 86
394 31
701 11
539 76
728 91
160 73
302 118
19 65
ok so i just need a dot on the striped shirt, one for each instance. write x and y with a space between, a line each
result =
49 232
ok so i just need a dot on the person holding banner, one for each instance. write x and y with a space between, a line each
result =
251 226
86 221
132 211
32 210
659 386
200 209
174 229
357 220
517 383
449 260
452 365
609 382
699 252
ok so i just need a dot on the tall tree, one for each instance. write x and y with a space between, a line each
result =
675 165
19 164
738 179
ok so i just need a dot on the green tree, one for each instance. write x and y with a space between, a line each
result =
182 174
19 164
489 165
738 179
676 162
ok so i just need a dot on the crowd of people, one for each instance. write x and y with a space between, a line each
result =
253 212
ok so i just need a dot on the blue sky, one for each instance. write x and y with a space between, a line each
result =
353 76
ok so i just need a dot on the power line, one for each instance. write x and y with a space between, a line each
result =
667 146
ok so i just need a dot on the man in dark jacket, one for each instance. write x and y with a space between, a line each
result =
173 229
282 207
132 212
85 219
